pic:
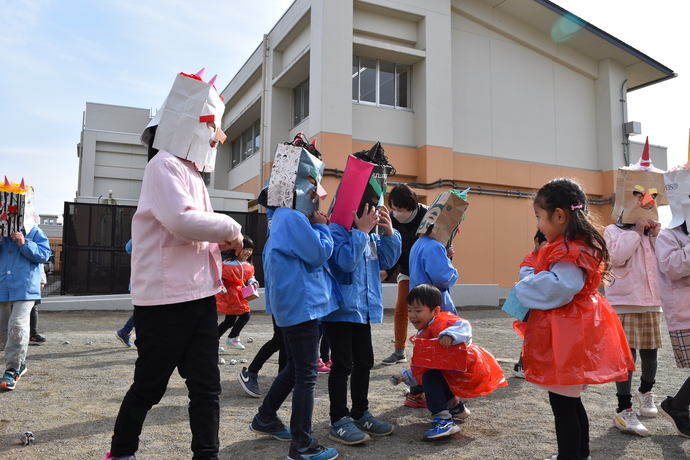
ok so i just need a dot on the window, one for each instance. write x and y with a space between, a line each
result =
381 83
246 144
300 103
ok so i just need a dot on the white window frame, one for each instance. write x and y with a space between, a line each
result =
378 85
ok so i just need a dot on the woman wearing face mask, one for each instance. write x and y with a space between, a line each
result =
406 214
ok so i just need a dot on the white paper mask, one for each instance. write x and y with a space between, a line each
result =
16 208
678 191
182 121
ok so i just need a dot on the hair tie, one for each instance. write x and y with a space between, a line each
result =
573 207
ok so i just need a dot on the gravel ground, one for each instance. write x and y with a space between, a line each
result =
75 382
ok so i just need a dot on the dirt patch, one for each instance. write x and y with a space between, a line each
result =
71 393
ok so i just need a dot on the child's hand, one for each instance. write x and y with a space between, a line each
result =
237 244
450 252
446 341
18 237
319 218
385 221
641 225
369 219
396 379
653 228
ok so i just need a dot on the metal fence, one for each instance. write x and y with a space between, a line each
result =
92 259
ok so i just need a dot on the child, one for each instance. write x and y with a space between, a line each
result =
406 214
634 293
527 268
444 387
238 272
358 256
176 268
572 336
673 275
298 292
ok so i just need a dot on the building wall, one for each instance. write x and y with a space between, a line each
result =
497 105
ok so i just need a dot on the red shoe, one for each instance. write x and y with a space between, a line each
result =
323 369
415 400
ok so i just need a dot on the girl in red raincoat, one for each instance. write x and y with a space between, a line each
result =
573 337
443 386
237 273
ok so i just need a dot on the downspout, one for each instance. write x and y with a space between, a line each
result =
262 129
626 139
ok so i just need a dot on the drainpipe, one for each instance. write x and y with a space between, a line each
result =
626 139
262 129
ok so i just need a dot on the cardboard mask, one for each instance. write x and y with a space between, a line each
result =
182 121
445 214
677 182
16 208
364 182
639 191
295 180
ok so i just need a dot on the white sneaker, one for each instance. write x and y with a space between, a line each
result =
627 422
647 406
234 343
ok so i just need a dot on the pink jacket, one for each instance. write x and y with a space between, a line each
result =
673 272
635 289
175 235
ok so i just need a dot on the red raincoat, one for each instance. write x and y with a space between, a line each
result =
483 374
235 277
581 342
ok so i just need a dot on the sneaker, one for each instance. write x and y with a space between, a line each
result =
221 349
275 429
346 432
323 369
234 342
518 371
124 338
394 358
109 457
328 363
460 412
627 422
249 382
372 425
415 400
647 406
315 451
12 376
37 339
555 457
680 418
440 428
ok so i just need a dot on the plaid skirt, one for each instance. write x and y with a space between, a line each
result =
643 330
680 341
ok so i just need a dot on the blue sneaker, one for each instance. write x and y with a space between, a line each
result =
372 425
249 382
124 338
275 429
346 432
315 451
12 376
441 427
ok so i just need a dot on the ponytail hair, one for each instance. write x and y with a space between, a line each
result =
568 195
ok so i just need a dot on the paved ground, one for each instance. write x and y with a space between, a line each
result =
71 393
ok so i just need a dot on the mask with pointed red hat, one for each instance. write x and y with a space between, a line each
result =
639 191
184 119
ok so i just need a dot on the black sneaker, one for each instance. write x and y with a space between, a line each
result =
36 339
315 451
680 418
275 429
249 382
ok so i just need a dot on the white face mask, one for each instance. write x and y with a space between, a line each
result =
401 216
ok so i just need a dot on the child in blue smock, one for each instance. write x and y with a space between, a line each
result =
430 264
358 257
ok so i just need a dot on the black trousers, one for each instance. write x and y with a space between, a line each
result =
353 356
276 343
572 427
182 336
236 322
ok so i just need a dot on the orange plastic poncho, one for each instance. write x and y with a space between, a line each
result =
235 277
483 374
579 343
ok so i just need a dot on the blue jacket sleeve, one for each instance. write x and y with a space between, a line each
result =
389 249
551 289
439 268
460 332
348 248
312 244
36 246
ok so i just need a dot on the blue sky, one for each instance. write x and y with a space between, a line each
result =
59 54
